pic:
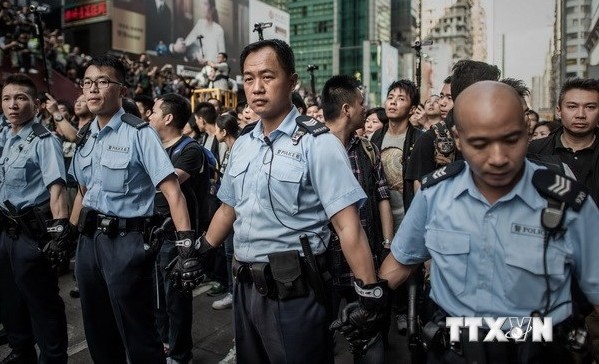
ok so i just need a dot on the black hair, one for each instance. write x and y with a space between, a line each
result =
23 80
145 100
298 101
108 60
587 84
518 85
409 88
206 111
448 79
240 106
224 55
466 72
531 111
194 126
68 105
229 123
130 107
282 49
380 114
338 90
551 125
178 106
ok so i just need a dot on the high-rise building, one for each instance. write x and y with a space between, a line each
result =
592 41
577 21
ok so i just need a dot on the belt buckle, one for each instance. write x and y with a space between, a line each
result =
107 224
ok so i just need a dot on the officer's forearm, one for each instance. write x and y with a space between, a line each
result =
394 272
58 201
221 225
77 206
386 216
354 244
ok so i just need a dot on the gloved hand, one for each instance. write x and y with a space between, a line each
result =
361 322
58 248
187 270
156 238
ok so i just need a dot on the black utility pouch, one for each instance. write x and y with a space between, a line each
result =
286 268
87 223
108 225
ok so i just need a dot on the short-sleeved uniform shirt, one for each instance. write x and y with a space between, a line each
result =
29 165
488 259
121 166
305 184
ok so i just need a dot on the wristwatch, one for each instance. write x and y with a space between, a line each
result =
386 244
57 117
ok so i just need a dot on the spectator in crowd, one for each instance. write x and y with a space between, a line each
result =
533 119
375 119
144 104
432 110
544 128
220 75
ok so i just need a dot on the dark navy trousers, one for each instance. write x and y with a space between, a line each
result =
115 282
35 304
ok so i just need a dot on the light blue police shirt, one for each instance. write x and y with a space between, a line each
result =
28 166
121 166
309 183
488 259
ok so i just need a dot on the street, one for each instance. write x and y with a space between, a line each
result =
212 331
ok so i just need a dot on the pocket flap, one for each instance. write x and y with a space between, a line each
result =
285 173
238 168
447 242
113 162
285 266
528 255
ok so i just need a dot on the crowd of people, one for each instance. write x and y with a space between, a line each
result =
298 211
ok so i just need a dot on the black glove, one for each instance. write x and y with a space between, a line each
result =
157 235
58 248
362 322
188 269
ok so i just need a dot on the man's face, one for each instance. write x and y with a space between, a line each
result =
579 112
103 101
431 107
357 112
80 107
201 123
445 100
157 118
18 105
398 105
267 85
493 137
312 110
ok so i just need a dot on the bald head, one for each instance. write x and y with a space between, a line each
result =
488 97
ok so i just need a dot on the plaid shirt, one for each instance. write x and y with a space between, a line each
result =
374 183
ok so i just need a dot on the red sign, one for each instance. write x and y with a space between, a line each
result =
85 12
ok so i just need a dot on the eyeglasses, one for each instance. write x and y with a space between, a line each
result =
100 83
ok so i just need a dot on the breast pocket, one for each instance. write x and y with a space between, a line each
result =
238 173
283 189
449 250
114 174
16 173
524 283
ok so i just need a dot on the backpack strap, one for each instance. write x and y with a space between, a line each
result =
186 140
442 173
368 149
134 121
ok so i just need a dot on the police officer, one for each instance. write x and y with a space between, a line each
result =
284 181
118 166
486 223
34 237
168 116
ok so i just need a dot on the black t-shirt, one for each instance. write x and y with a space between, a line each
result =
190 160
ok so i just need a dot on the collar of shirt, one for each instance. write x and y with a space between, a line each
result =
287 126
523 189
114 123
23 133
560 145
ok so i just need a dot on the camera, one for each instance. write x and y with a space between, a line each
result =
312 67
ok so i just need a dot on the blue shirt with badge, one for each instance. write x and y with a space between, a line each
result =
121 166
28 166
306 183
488 259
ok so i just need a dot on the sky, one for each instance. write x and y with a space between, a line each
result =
528 29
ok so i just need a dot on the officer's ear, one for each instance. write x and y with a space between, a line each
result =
293 82
123 91
456 137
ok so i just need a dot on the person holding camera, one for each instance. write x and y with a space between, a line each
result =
505 236
118 165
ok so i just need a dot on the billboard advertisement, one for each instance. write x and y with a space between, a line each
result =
193 31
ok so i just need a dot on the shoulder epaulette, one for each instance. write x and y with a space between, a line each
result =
559 187
134 121
442 173
307 124
38 130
